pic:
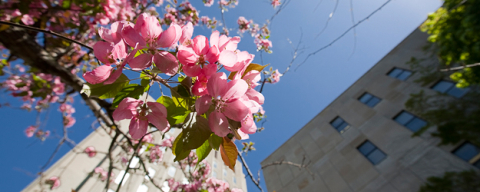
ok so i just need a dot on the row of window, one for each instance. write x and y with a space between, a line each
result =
467 151
442 86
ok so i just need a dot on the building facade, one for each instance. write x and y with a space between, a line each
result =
75 168
363 140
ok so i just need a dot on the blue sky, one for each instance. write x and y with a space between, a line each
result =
290 104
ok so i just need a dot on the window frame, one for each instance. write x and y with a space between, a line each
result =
453 86
403 70
374 149
372 97
475 160
409 121
336 128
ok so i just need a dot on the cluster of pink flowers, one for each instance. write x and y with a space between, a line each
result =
67 111
261 35
54 182
228 3
156 154
243 24
181 15
208 3
115 10
90 151
236 100
210 23
200 178
103 174
274 77
275 3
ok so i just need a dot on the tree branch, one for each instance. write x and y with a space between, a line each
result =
45 31
460 67
244 163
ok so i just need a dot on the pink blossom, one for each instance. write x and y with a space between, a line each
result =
141 114
66 108
195 57
208 3
90 151
215 185
27 20
275 3
68 121
54 182
275 77
30 131
243 24
156 154
225 97
168 142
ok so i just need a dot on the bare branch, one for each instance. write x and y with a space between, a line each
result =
244 163
460 67
343 34
45 31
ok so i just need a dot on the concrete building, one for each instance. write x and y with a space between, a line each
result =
75 168
363 140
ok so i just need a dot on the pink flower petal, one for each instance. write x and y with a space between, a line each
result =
243 136
148 26
141 62
217 84
209 70
200 45
187 32
98 75
255 96
160 123
126 109
203 104
236 110
138 128
213 54
170 36
248 125
192 70
214 38
187 56
158 109
132 37
235 89
228 58
218 124
103 52
166 62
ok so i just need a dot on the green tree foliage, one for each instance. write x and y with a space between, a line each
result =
466 181
455 31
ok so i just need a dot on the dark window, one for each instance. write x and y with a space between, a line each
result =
339 124
398 73
371 152
450 88
410 121
369 100
468 152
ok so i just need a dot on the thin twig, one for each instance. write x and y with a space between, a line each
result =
459 67
244 163
343 34
45 31
329 18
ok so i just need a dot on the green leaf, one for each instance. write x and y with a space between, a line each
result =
195 133
252 66
175 114
181 96
105 91
215 141
178 149
131 90
66 4
203 151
